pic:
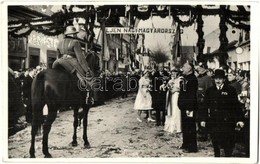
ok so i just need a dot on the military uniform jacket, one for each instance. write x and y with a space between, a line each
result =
222 105
70 46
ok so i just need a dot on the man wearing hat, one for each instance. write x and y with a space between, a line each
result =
158 97
188 105
71 56
204 82
223 114
69 49
231 76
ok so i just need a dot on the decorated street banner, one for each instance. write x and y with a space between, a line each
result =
127 30
106 56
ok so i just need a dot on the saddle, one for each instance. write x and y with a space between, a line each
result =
85 80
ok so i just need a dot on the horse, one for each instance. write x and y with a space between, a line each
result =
58 88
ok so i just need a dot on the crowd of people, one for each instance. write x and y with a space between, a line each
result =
199 103
19 96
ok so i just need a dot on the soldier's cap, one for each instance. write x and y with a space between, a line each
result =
219 73
70 30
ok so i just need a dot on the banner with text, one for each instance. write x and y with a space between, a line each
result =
127 30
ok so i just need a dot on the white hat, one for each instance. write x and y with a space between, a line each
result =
70 30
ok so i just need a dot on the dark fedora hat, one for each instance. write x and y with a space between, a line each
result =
219 73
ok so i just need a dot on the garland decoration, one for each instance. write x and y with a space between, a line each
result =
60 19
184 23
223 37
200 32
238 25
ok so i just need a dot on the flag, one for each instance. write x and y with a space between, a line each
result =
142 50
127 8
169 9
136 22
194 54
137 57
106 55
117 53
145 60
176 43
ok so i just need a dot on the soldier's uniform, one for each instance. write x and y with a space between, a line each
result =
72 58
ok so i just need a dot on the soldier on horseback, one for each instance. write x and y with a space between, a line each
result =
72 59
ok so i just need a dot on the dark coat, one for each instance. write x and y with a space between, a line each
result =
236 85
188 93
223 113
158 97
27 87
15 103
204 82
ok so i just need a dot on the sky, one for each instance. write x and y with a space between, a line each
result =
189 36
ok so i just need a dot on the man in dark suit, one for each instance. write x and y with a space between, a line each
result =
223 114
27 94
158 97
187 103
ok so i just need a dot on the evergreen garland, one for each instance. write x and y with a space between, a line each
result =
61 19
200 32
184 23
223 37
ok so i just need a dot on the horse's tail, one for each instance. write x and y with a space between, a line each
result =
38 100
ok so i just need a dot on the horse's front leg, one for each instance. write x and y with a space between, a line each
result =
85 124
75 126
36 123
46 129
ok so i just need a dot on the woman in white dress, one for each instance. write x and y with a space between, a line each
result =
143 101
173 118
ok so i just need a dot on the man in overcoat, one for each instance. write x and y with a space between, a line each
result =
223 114
204 82
187 103
158 97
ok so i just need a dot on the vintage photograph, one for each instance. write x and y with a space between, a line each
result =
163 82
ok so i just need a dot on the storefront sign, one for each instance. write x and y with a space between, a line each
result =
42 40
127 30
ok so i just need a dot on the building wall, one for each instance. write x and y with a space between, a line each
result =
44 43
242 59
212 39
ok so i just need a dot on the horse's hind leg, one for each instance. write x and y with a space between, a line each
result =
36 122
85 124
52 113
33 134
75 126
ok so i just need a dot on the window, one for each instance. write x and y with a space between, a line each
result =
34 57
51 57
